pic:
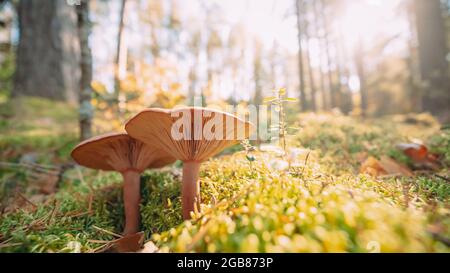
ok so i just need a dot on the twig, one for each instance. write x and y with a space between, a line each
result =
78 214
91 200
33 167
54 211
442 177
27 165
102 247
107 232
26 199
5 242
306 162
100 241
10 245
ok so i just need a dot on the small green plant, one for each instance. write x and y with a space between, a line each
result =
278 102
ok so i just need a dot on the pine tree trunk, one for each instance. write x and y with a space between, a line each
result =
312 82
301 72
342 57
338 93
326 40
412 62
120 60
317 26
433 54
86 110
48 50
257 69
359 61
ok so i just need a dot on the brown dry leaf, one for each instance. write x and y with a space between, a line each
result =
128 243
372 167
393 167
420 155
384 166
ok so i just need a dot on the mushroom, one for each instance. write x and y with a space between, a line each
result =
119 152
193 138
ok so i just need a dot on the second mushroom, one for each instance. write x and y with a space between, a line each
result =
192 135
119 152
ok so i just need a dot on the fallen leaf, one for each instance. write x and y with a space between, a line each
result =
384 166
372 167
128 243
393 167
420 155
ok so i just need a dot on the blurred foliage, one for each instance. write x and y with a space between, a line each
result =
148 85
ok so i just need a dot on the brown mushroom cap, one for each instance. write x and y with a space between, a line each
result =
156 123
119 152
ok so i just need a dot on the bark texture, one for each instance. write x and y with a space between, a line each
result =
86 112
301 72
433 52
48 50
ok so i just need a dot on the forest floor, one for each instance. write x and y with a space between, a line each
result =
344 186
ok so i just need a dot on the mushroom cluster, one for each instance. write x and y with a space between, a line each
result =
155 138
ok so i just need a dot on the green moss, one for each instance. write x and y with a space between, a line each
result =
281 213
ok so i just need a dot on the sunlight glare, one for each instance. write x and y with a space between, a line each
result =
368 20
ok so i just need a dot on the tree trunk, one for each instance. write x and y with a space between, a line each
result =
413 92
346 102
312 82
326 40
257 70
433 54
85 96
359 61
303 102
48 50
338 93
120 61
317 27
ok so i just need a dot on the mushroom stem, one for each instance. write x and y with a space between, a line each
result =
132 200
190 194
